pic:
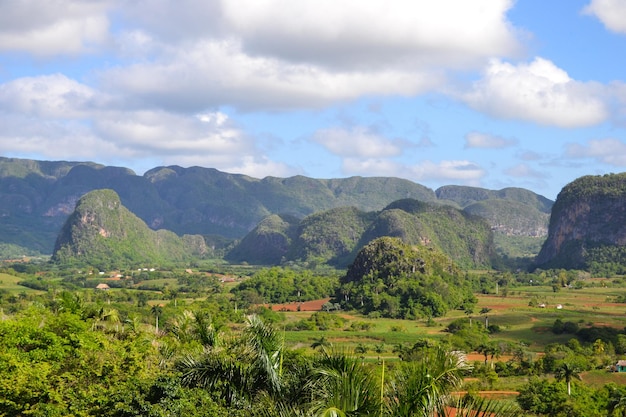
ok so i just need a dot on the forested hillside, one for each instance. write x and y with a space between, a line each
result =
104 234
335 236
36 197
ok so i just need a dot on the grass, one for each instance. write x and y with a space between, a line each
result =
599 378
10 284
517 320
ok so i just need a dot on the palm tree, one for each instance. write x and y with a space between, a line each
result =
206 330
322 343
241 370
340 385
110 315
422 388
156 311
485 349
267 349
181 326
218 371
567 372
133 324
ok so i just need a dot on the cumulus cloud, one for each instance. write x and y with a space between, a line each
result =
609 151
53 115
487 141
358 142
213 73
56 27
280 54
612 13
47 96
539 92
51 139
189 55
373 33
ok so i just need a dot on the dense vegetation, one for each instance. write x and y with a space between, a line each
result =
335 236
280 285
103 233
392 279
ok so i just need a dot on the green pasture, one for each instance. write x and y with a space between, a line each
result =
517 320
599 378
10 283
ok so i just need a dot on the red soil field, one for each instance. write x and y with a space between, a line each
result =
314 305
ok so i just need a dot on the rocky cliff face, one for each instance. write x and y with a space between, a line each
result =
589 214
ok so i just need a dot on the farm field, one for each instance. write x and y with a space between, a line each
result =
517 321
10 284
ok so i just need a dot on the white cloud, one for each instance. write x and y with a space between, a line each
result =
539 92
371 167
458 171
53 116
609 151
46 28
52 139
47 96
464 171
256 166
281 54
171 134
358 142
208 73
487 141
612 13
523 171
350 33
373 33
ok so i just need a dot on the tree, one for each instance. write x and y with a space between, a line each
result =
567 372
156 311
488 349
341 385
241 371
616 405
321 343
423 387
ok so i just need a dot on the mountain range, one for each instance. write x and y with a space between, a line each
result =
38 197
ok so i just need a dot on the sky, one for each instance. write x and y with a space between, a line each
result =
485 93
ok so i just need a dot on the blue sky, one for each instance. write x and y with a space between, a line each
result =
487 93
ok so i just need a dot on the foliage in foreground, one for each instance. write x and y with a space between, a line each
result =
65 362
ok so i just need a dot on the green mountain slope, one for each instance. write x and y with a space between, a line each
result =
103 233
36 197
335 236
268 243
